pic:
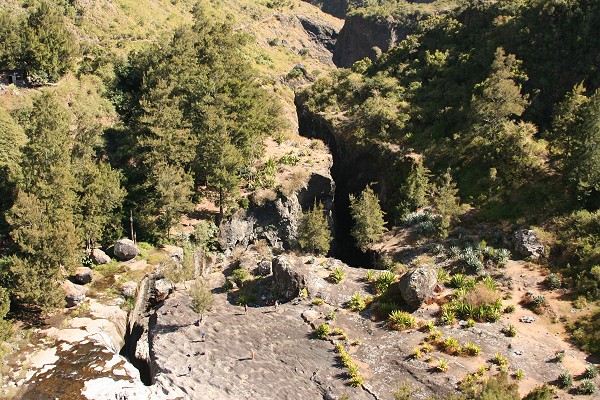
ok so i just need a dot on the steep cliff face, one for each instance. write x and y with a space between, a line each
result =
354 167
367 37
337 8
277 221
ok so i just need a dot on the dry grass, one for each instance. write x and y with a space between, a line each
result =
295 181
481 295
261 196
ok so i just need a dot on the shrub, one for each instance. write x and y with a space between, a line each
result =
553 281
384 280
434 336
591 371
322 331
370 276
318 301
510 330
470 322
471 350
427 326
447 315
339 332
240 276
417 353
565 380
509 309
401 320
501 257
331 316
586 387
451 345
201 297
519 374
460 281
384 309
543 392
337 275
356 302
443 365
559 356
500 361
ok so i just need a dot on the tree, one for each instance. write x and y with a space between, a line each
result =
49 46
10 40
42 219
314 235
174 189
201 298
413 192
369 224
446 203
576 140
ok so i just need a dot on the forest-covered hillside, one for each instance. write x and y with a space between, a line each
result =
503 96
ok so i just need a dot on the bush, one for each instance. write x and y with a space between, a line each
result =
565 380
331 316
322 331
370 276
318 301
356 302
519 374
443 365
591 371
384 280
471 350
510 330
337 275
586 387
384 309
240 276
553 281
451 345
543 392
509 309
401 320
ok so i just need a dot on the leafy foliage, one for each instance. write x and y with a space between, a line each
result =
368 218
314 235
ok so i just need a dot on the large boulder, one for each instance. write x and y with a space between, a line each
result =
528 244
125 249
417 285
74 294
129 289
83 275
100 257
289 276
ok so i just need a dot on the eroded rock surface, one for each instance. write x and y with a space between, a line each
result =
528 244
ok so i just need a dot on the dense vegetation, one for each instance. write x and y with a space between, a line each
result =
180 115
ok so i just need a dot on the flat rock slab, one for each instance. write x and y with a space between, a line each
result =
289 363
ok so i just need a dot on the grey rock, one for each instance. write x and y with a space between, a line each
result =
528 244
162 289
175 252
100 257
129 289
361 38
74 294
125 249
265 267
417 285
83 275
289 276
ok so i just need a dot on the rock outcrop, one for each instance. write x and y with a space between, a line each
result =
82 275
289 276
277 221
337 8
125 249
319 32
74 294
100 257
528 244
417 285
367 38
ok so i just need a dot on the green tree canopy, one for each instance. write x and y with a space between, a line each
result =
367 215
314 235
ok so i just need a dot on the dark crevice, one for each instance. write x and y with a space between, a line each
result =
347 182
128 351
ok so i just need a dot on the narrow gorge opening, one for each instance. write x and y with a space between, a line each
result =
128 351
346 182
